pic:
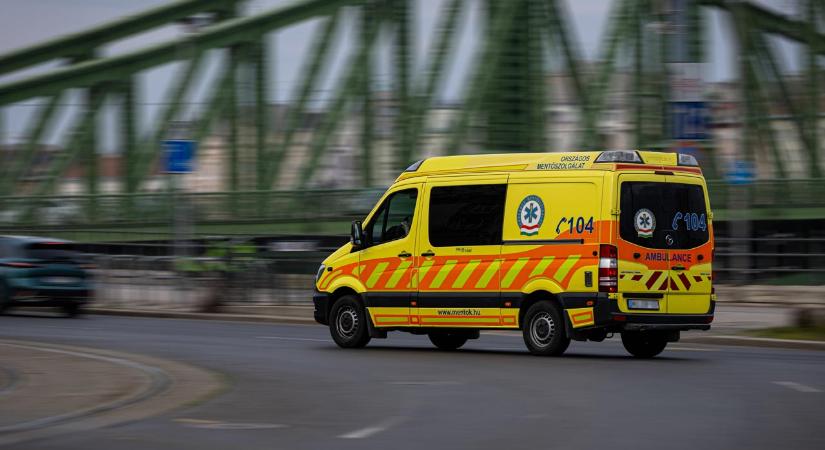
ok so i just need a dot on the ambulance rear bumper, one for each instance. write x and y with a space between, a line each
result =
661 322
664 326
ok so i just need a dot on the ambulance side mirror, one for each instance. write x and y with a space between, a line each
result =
356 233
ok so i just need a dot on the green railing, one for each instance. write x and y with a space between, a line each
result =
767 200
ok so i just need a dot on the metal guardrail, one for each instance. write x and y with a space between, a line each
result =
285 276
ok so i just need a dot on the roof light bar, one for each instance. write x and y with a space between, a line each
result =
687 160
620 156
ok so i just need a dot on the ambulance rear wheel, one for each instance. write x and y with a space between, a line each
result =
644 344
543 330
448 341
348 323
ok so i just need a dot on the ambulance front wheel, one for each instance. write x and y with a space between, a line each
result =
644 344
348 323
543 330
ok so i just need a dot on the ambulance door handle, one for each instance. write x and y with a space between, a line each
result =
428 254
637 255
677 268
404 254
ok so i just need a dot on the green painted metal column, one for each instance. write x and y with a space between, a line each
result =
515 97
813 87
129 127
638 53
231 116
91 160
402 82
367 133
262 82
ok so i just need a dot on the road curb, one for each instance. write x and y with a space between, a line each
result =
201 316
170 385
746 341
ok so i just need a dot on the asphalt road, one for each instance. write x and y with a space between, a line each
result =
290 387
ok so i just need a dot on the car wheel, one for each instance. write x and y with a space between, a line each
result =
448 340
543 330
4 298
72 310
348 323
644 344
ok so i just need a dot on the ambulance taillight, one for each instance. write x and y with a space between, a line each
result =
608 268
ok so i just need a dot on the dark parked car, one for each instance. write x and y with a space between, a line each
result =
43 272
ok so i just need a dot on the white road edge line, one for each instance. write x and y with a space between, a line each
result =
372 430
797 387
283 338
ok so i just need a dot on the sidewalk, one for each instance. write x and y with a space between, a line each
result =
49 389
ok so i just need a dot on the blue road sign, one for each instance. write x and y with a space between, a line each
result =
180 155
689 120
741 172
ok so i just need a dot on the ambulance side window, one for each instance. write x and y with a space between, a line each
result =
466 215
393 219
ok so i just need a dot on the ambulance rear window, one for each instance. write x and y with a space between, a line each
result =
663 215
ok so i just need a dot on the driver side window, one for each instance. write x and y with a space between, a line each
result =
393 219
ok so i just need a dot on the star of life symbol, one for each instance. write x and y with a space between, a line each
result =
645 222
530 215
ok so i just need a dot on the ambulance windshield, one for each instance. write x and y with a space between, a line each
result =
663 215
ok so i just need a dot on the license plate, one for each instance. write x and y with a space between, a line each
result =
60 280
643 304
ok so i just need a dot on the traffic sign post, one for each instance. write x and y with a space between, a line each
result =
179 159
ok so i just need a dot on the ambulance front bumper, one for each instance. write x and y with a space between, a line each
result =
320 300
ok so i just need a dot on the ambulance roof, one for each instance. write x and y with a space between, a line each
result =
516 162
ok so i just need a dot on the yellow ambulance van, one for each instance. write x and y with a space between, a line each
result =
562 246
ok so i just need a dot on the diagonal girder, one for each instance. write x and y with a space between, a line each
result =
228 33
311 74
80 43
343 93
489 58
770 22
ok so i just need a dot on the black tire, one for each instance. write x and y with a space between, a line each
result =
348 323
543 330
644 344
445 340
72 310
4 298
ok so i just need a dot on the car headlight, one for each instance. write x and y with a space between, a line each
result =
320 272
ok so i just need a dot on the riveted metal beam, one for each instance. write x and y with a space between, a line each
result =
225 34
81 43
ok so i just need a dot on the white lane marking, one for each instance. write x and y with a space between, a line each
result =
284 338
424 383
797 387
372 430
217 425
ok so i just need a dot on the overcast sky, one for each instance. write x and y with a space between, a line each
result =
27 22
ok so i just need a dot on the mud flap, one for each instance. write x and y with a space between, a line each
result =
374 332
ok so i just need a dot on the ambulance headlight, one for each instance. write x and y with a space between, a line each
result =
688 160
619 156
320 272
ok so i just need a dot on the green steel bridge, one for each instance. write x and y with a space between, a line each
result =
269 173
